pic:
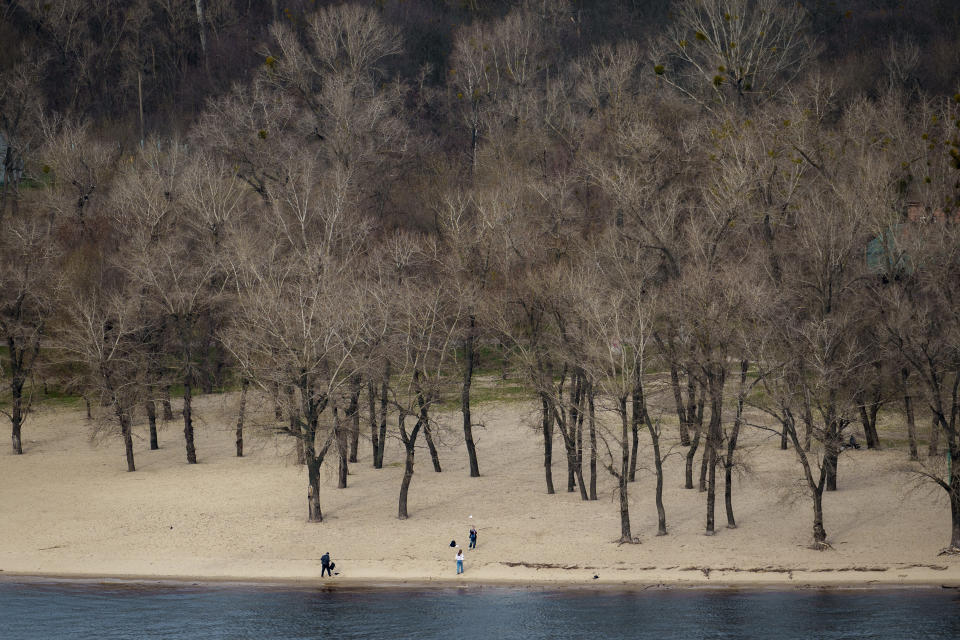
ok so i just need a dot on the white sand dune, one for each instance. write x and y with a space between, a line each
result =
69 508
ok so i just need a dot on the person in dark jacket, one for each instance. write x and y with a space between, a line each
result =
473 537
326 565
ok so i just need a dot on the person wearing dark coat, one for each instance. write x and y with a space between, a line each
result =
326 565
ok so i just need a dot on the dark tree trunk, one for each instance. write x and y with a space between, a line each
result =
152 421
593 445
704 459
314 513
783 437
732 447
831 455
691 452
830 460
241 412
908 409
637 408
86 401
546 416
167 409
405 483
868 418
681 409
468 364
188 421
307 419
372 415
626 536
576 419
16 409
409 443
384 386
819 533
353 415
125 431
641 402
434 457
715 380
342 455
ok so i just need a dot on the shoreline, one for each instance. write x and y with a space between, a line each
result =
787 580
242 521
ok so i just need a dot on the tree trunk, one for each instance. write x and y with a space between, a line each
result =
167 409
340 433
783 438
635 419
830 460
908 409
681 410
626 536
353 415
125 431
704 459
405 483
434 458
86 401
314 513
819 533
816 488
715 381
383 414
732 447
547 424
869 421
576 419
16 410
372 414
691 452
188 421
658 466
152 421
468 351
831 455
244 385
593 446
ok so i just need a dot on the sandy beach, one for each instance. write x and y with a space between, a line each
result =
69 509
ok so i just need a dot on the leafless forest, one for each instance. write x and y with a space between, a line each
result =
349 209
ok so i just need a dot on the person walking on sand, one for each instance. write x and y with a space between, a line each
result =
473 537
459 561
326 565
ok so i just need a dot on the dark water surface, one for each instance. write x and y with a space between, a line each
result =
54 611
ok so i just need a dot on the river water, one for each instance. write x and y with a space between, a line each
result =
58 611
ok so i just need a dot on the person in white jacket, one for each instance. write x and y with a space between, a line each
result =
459 561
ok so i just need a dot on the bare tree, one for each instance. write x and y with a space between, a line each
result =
732 52
423 332
101 334
28 265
